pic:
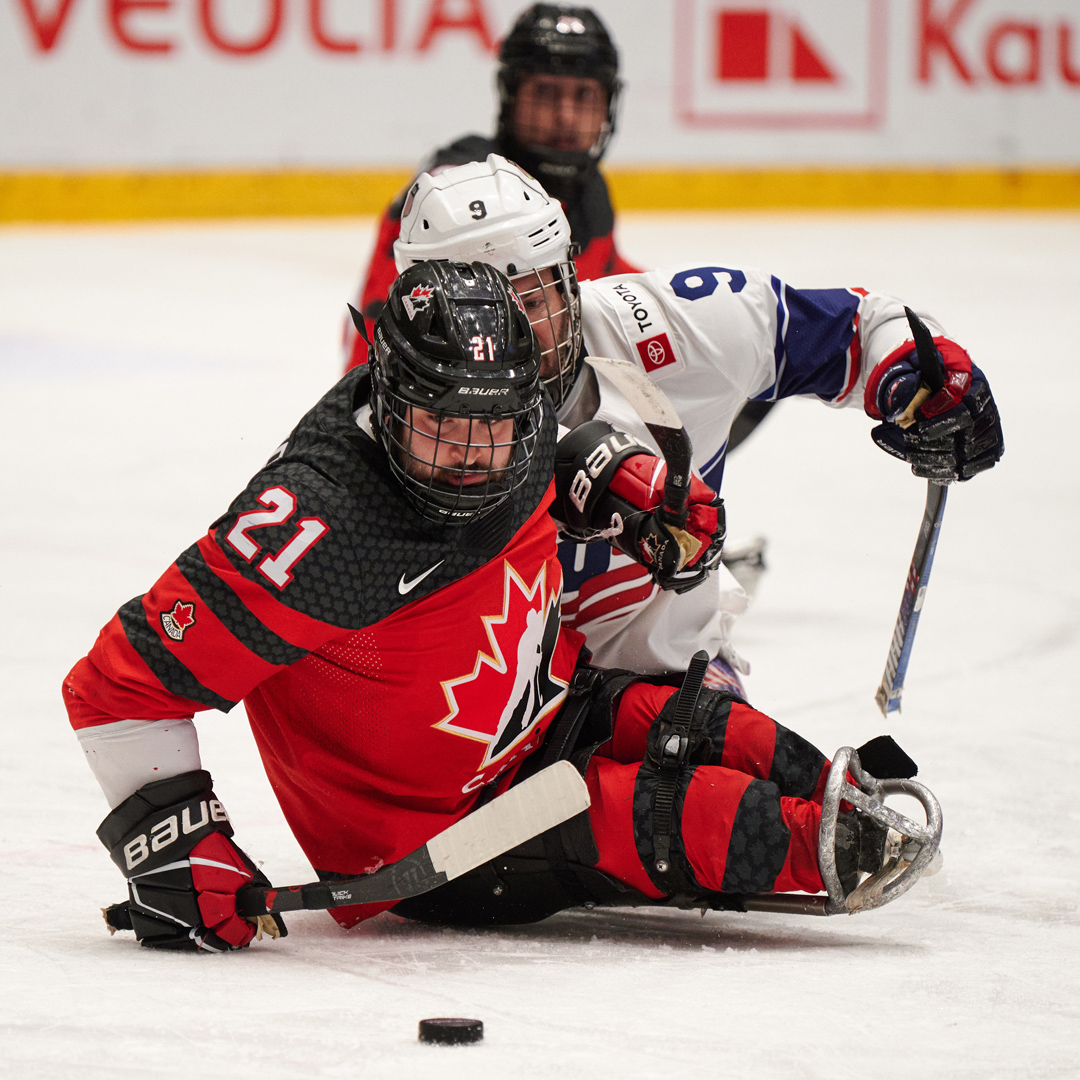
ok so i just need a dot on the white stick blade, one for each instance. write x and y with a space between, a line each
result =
540 803
648 400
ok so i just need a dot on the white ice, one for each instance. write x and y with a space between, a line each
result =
146 372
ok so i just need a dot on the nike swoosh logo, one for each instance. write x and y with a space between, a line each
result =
405 587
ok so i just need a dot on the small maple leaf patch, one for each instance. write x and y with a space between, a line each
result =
176 622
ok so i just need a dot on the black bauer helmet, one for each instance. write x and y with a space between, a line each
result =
556 39
455 389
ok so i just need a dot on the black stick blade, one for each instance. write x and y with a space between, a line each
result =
931 368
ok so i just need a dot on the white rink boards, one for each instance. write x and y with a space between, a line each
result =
117 85
146 372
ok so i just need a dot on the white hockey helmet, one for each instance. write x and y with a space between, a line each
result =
494 212
486 211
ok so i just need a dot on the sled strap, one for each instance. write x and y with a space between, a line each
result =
673 752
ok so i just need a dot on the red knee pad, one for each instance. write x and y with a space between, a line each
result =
639 706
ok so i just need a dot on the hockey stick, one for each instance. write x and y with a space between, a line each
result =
660 417
545 800
918 576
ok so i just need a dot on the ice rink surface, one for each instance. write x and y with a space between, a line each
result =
146 373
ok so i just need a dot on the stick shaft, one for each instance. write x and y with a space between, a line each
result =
545 800
918 577
660 417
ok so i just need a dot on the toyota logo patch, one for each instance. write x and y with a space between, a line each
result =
656 352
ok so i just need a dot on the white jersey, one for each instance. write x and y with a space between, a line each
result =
712 338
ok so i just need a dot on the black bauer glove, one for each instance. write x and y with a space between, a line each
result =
956 432
610 487
171 841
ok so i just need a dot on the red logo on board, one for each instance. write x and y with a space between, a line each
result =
779 64
745 49
656 352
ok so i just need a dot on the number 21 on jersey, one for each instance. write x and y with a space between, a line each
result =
281 505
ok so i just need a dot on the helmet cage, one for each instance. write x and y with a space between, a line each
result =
553 309
491 459
457 412
564 164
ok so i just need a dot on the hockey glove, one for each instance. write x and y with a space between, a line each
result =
955 433
171 841
609 486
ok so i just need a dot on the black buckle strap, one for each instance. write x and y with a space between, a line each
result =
560 742
558 746
673 751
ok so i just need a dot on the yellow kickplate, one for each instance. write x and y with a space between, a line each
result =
136 196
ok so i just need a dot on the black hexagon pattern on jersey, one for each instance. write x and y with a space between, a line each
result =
349 577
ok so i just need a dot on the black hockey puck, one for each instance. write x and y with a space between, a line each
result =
451 1030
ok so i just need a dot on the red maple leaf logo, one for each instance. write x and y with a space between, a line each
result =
422 292
183 614
177 621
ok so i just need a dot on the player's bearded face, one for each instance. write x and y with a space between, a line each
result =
562 112
548 313
455 451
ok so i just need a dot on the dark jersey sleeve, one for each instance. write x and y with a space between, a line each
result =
272 580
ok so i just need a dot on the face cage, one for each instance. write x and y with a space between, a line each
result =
472 483
537 136
560 347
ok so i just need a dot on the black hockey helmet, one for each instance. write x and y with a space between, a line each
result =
556 39
455 388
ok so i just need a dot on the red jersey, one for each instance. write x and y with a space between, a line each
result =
390 667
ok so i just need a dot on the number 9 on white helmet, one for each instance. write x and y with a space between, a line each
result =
494 212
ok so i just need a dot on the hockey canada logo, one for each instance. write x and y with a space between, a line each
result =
178 621
503 699
418 300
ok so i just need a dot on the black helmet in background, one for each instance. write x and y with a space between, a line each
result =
455 389
555 39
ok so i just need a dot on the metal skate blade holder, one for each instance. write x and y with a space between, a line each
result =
898 873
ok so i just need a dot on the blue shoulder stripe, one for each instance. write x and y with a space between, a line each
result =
814 331
713 472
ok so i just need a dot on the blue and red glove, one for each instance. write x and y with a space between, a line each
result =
608 486
171 840
955 433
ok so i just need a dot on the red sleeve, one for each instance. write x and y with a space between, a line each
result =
180 649
601 259
380 276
